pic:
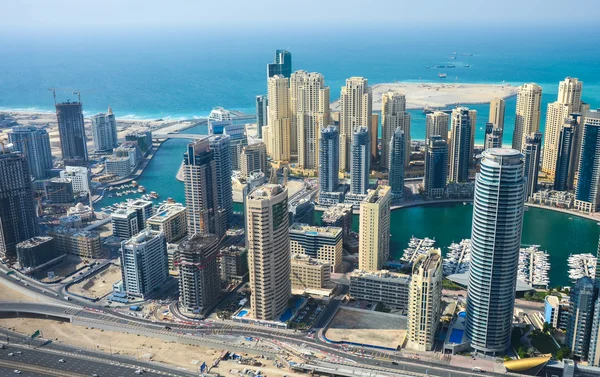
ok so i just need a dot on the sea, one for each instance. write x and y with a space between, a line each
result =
183 74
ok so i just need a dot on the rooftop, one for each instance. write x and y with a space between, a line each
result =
336 211
74 232
374 196
142 237
311 230
302 259
383 274
167 213
35 241
266 191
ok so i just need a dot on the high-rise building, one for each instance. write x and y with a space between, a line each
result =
329 162
171 220
36 251
218 119
262 115
355 111
34 143
495 242
473 120
201 190
199 275
564 173
581 316
59 191
79 176
72 133
339 215
104 131
389 288
360 159
527 116
268 242
569 91
282 64
374 136
532 152
396 155
125 223
493 136
394 116
436 123
460 157
254 159
279 118
143 211
222 153
144 263
309 113
594 348
587 193
323 243
436 167
374 230
18 220
238 140
425 300
309 274
497 110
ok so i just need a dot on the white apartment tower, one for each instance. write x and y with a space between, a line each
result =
568 101
394 115
424 300
436 124
355 111
309 109
268 242
374 229
80 178
279 118
527 116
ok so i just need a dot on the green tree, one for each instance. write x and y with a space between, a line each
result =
563 353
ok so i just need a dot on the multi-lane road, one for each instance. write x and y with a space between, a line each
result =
206 332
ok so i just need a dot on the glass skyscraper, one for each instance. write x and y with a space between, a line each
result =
587 194
262 104
436 167
532 150
564 173
72 133
396 165
581 310
282 65
496 239
329 161
34 143
360 161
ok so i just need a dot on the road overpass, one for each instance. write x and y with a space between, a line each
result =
175 135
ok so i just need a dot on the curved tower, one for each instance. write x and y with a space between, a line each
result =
496 239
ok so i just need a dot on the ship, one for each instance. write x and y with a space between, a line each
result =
153 195
141 189
467 65
442 75
452 57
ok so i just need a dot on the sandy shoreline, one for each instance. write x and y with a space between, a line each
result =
439 95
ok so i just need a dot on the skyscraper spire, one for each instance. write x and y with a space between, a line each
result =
109 112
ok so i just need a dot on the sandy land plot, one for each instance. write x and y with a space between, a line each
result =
9 294
99 284
171 353
368 327
439 94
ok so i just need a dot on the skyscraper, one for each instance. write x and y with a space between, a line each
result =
262 115
496 238
360 158
104 131
309 113
219 145
587 192
460 157
201 189
393 116
282 64
238 140
18 220
254 158
436 123
581 316
144 263
532 151
564 172
527 116
329 162
497 110
268 243
355 111
568 101
396 163
425 300
199 276
374 229
493 136
594 348
279 118
34 143
72 133
436 167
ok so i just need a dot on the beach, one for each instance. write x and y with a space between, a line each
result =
439 95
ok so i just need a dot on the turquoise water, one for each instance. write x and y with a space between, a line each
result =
456 336
170 74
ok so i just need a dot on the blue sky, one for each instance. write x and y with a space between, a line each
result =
81 16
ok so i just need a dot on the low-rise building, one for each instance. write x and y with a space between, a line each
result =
322 243
79 176
73 221
309 273
59 190
560 199
171 220
83 243
118 166
339 215
36 251
83 211
383 286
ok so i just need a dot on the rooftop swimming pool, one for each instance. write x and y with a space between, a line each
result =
456 336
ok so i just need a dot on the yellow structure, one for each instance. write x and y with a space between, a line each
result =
530 365
527 116
356 103
309 273
374 229
279 118
394 115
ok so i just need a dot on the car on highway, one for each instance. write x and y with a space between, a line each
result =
17 371
394 363
19 352
61 360
95 375
139 371
11 354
